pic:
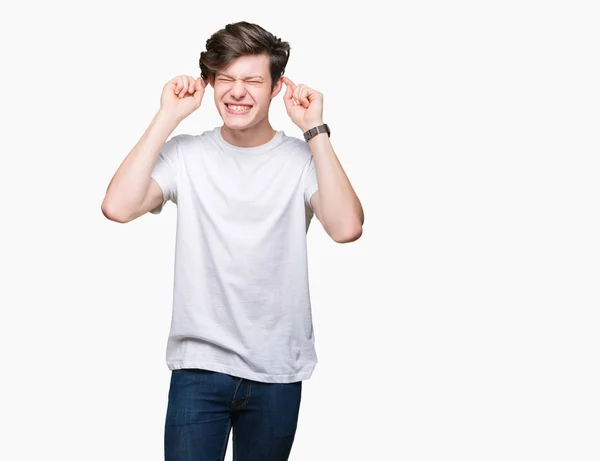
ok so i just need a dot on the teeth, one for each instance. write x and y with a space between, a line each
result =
238 108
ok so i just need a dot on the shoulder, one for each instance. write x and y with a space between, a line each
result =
188 143
187 139
297 146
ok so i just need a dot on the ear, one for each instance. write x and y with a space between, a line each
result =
277 88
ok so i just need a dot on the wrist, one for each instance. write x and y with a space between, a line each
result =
167 118
308 126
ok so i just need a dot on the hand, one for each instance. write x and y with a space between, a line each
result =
303 104
182 95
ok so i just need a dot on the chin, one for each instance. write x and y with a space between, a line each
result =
234 123
239 126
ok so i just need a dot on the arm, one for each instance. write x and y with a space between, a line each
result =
335 203
131 192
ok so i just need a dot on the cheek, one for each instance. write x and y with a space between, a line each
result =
218 95
219 89
263 98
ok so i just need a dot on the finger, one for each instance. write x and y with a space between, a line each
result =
310 95
287 98
288 82
304 97
199 84
289 87
200 88
185 86
297 92
314 95
179 86
191 85
289 91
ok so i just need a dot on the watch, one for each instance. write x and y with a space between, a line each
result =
308 135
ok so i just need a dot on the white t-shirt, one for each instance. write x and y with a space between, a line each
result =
241 300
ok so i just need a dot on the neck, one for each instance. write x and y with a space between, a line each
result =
249 137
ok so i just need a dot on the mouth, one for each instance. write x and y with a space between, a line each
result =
237 109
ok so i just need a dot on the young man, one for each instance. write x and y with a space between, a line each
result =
241 338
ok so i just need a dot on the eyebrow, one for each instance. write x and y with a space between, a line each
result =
246 78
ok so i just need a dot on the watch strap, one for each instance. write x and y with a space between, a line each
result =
315 131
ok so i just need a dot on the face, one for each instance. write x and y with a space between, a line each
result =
243 93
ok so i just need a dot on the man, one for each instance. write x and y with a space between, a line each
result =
241 338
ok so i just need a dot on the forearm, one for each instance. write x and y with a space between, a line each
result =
341 210
127 189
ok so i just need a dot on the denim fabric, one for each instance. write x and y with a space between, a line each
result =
204 406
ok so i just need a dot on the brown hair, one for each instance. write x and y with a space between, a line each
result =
242 39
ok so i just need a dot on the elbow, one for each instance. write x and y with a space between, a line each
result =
112 213
350 235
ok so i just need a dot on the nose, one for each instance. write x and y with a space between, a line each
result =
238 89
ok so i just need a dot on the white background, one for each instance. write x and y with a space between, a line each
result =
462 325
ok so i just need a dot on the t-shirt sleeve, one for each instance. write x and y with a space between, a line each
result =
310 184
164 172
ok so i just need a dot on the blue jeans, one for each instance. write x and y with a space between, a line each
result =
205 405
